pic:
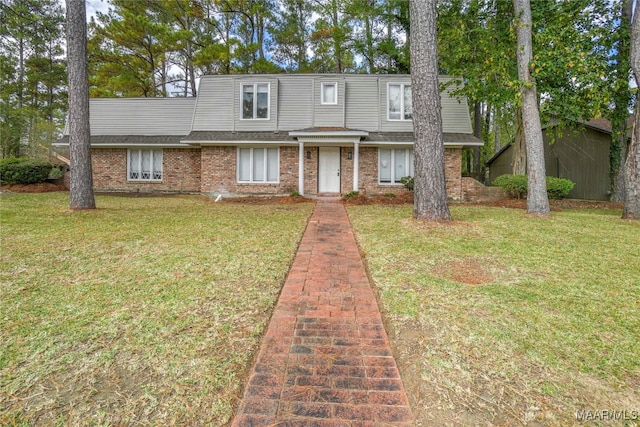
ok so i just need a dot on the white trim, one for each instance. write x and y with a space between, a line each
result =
402 87
255 103
301 169
323 134
256 143
356 165
140 150
251 158
322 100
127 145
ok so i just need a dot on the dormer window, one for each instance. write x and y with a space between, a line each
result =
329 94
255 101
400 103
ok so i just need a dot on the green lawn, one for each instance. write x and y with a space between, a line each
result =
145 311
502 318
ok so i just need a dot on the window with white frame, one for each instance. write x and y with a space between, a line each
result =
144 165
258 164
394 164
400 103
329 93
255 101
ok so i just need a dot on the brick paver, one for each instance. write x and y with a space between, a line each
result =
325 360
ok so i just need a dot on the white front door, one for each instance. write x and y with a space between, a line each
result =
329 170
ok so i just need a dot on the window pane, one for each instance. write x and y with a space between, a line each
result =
244 164
258 164
328 93
157 164
408 103
263 102
272 164
400 169
394 102
247 102
134 164
146 164
384 167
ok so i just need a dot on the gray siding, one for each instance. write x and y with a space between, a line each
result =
140 116
214 109
455 112
387 125
328 115
256 125
359 93
295 103
295 94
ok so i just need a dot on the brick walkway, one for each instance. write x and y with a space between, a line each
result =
325 359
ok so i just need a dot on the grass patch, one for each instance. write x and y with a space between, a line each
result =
146 310
502 317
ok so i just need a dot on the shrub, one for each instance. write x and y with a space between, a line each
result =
24 171
558 188
390 195
351 194
295 194
407 181
56 173
516 186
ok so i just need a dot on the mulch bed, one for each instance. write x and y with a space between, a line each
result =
361 199
39 187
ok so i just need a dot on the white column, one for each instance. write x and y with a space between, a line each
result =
356 165
301 170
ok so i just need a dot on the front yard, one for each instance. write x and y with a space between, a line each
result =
146 311
149 310
505 319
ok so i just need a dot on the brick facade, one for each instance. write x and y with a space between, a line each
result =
180 170
219 172
213 169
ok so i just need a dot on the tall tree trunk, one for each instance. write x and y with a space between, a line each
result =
20 72
477 132
519 157
430 190
631 208
622 100
337 43
537 199
81 184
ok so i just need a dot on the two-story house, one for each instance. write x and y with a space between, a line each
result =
271 134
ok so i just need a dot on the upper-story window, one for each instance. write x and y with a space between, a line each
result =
255 101
329 95
400 103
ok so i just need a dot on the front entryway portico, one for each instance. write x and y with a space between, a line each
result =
328 142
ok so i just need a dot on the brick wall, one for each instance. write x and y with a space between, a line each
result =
219 172
368 176
453 172
310 171
475 192
180 170
213 170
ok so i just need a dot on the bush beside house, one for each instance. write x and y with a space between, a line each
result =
26 171
516 186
